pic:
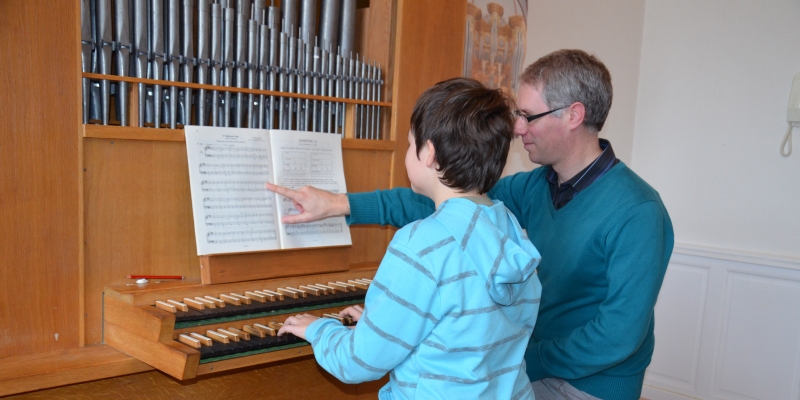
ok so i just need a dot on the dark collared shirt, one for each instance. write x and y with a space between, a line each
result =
562 194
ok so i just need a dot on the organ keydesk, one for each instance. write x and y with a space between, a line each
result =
189 329
85 205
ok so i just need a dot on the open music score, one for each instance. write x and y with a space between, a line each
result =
234 212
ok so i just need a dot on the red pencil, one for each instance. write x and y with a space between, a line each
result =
155 277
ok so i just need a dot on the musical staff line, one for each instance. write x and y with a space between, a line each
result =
313 229
223 220
232 186
241 236
226 203
252 153
233 169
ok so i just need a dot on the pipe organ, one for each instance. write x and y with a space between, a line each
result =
97 188
232 43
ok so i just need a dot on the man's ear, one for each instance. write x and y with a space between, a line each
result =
576 112
430 155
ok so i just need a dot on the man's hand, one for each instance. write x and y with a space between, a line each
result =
297 325
314 204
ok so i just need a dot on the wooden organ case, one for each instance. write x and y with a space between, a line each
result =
84 205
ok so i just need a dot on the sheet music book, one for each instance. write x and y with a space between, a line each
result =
234 212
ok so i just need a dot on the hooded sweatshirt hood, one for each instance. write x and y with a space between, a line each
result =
504 269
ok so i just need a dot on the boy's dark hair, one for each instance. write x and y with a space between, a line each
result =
471 128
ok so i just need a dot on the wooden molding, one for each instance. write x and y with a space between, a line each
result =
225 268
65 367
131 79
178 135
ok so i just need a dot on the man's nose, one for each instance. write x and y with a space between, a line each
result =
520 127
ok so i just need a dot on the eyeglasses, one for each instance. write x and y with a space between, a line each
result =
530 118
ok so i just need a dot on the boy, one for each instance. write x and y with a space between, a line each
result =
454 301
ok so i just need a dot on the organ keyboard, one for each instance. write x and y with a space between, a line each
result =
186 329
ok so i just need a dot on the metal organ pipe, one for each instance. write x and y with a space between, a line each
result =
289 15
203 34
308 20
187 58
306 48
158 56
122 37
215 61
329 24
347 26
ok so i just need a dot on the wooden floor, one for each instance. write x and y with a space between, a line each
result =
277 381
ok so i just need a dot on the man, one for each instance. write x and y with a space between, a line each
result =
603 233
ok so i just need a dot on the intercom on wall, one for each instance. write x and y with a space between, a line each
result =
792 115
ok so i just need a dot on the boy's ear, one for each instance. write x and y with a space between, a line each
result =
430 156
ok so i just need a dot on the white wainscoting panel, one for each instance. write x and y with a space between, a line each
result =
759 342
727 327
679 323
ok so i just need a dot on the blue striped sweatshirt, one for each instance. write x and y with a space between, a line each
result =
449 313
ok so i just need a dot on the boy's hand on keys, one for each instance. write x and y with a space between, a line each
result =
297 325
352 312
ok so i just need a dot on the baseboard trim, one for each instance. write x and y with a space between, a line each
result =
653 393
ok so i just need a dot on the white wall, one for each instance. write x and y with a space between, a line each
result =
699 112
714 83
609 29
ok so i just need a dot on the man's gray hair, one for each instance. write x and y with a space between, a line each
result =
565 76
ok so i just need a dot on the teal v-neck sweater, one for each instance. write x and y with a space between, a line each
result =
604 256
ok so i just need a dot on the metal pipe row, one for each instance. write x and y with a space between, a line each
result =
237 43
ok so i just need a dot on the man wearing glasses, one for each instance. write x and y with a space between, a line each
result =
604 234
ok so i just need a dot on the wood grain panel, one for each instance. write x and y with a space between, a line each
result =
64 367
374 41
302 379
179 135
367 171
138 216
171 357
224 268
165 84
430 51
39 189
374 32
150 323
